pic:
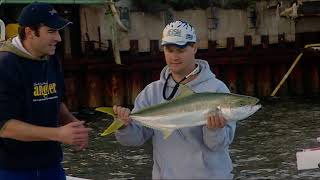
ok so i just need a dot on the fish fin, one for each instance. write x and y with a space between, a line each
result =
107 110
184 91
166 133
113 127
116 124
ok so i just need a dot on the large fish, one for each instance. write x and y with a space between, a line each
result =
188 110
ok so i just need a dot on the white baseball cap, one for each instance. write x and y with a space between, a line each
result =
178 33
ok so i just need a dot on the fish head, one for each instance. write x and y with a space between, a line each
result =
235 100
239 107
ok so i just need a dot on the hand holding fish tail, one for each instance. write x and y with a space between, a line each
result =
122 113
215 120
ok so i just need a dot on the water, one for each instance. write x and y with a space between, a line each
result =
264 147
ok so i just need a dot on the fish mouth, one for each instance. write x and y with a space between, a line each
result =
255 107
251 106
250 103
254 102
257 100
258 106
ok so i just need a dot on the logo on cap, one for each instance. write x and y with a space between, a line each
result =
189 36
174 32
52 12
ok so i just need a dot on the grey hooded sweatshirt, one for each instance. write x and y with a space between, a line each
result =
188 153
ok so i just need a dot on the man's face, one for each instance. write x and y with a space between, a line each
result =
180 60
45 43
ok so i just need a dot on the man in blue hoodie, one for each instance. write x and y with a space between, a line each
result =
33 119
199 152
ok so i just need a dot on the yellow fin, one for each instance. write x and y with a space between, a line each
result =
116 124
113 127
184 91
107 110
166 133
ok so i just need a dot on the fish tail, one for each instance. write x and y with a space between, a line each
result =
116 124
107 110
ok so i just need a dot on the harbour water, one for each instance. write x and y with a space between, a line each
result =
264 147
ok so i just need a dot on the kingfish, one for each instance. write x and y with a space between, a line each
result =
187 110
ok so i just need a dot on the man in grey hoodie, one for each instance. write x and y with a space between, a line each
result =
199 152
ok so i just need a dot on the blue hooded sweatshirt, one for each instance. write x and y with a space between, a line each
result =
188 153
31 91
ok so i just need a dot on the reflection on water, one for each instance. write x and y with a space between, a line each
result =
107 159
264 147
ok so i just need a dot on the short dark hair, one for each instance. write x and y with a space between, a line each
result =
22 32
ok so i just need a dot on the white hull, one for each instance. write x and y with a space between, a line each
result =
308 159
75 178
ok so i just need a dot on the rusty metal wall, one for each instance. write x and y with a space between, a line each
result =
253 70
